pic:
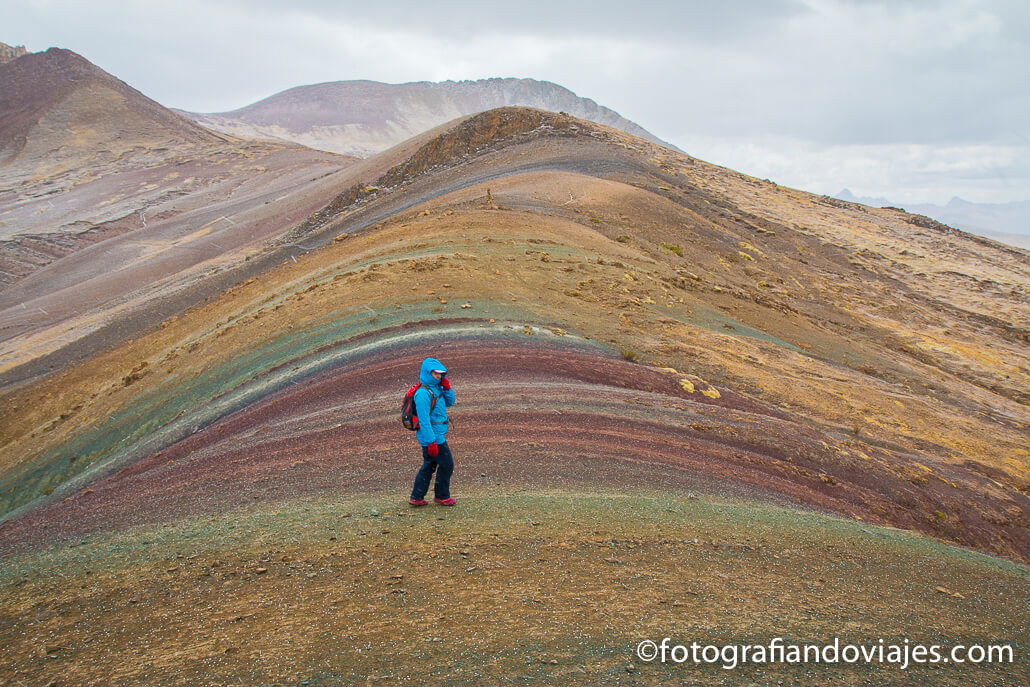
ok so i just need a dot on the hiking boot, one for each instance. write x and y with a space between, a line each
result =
446 502
418 502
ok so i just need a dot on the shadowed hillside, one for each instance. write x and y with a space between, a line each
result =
109 199
688 401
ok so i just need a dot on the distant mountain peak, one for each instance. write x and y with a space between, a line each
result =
365 117
60 113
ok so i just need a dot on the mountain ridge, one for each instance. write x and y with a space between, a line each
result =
96 176
364 117
1005 222
58 106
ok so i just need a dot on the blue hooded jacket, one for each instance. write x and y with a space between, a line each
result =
436 428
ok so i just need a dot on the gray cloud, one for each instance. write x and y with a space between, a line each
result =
457 19
927 99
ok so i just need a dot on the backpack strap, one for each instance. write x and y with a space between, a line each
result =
432 403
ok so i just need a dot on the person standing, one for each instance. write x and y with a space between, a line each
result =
432 434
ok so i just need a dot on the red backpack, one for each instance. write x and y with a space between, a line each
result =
409 418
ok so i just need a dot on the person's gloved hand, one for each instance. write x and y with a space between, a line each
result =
433 449
445 383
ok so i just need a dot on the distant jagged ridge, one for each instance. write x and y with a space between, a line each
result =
365 117
1005 222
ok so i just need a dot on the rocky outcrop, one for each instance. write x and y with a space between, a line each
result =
11 52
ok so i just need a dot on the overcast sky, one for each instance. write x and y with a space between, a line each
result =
914 100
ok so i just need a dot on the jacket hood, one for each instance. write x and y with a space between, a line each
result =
425 374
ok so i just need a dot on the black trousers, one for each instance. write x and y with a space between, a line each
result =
443 465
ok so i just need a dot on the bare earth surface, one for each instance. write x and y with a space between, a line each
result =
548 586
690 404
